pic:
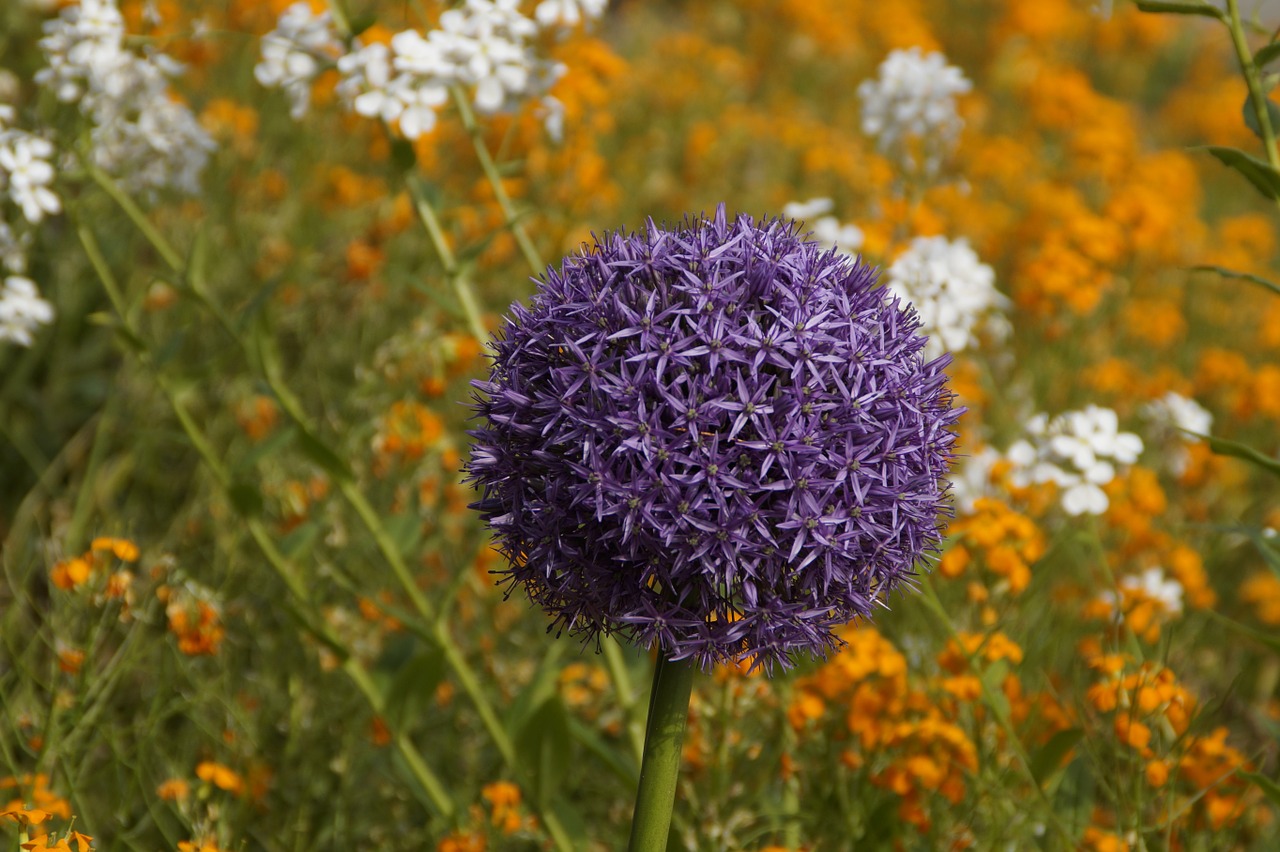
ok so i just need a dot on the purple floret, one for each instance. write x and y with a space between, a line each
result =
720 437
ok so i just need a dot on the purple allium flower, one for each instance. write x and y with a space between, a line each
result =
720 437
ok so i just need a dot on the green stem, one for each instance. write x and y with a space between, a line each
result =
660 769
490 169
1252 79
452 271
617 668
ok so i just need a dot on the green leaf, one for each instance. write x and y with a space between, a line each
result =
413 687
405 530
544 748
1180 7
1224 447
276 441
246 498
301 539
540 687
1050 756
619 760
1266 54
1251 117
1264 178
1244 276
1272 642
314 449
1266 785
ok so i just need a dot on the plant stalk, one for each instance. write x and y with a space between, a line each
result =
663 741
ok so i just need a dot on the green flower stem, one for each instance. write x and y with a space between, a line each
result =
660 768
452 270
1253 80
490 168
297 586
617 668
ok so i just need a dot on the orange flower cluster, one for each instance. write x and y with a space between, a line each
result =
194 618
75 572
1262 592
904 736
1007 542
33 798
1151 715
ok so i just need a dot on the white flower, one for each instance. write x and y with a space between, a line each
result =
140 132
21 310
294 52
953 292
828 231
913 97
482 44
802 210
13 249
1151 584
971 479
26 170
568 13
551 111
1078 452
1175 422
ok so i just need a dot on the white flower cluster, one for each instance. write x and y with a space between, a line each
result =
26 170
971 479
914 98
846 238
569 13
26 175
1078 452
1153 585
294 52
21 310
953 292
140 133
485 45
1172 417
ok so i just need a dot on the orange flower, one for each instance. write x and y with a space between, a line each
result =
222 777
173 790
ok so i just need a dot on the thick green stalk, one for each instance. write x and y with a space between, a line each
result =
663 742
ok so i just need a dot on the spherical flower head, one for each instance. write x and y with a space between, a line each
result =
719 437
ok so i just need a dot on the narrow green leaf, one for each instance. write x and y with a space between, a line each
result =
1244 276
314 449
1224 447
298 543
1264 178
413 687
544 747
405 530
1266 54
539 688
1272 642
1251 117
276 441
1050 756
1179 7
246 498
617 758
1266 785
